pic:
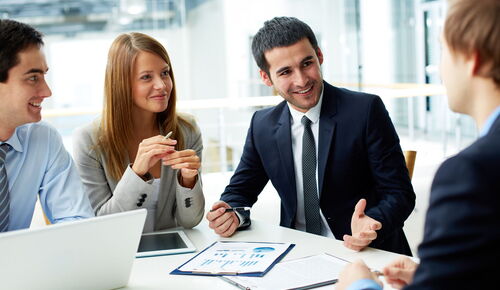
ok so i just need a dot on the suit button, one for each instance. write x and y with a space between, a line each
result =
139 204
144 195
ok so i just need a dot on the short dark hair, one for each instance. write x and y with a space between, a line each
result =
14 38
280 32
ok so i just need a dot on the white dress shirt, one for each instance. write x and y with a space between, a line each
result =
297 130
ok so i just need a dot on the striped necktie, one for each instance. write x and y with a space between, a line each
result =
311 199
4 190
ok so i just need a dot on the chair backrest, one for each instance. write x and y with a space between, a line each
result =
410 156
47 221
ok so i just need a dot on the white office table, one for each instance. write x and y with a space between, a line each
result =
153 273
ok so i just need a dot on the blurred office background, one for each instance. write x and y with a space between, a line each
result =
387 47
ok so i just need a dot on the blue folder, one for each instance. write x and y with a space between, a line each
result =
250 274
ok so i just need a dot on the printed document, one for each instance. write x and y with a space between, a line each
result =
228 257
303 273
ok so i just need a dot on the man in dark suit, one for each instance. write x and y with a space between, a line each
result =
332 154
460 249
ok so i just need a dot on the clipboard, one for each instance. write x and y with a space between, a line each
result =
235 258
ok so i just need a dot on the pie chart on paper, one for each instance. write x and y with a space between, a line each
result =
263 249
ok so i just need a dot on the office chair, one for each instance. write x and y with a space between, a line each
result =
410 157
47 222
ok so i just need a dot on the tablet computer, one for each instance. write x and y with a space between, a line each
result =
164 243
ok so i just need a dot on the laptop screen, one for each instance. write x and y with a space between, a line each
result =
71 250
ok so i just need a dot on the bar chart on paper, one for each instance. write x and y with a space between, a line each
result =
236 257
225 259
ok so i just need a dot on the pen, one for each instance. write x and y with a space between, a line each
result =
234 283
168 135
238 208
378 273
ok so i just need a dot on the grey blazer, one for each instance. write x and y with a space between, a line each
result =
177 206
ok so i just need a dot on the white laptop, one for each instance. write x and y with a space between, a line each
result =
94 253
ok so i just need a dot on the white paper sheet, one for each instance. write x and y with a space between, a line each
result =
293 274
236 257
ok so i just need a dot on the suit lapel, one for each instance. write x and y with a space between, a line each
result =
326 131
283 138
496 125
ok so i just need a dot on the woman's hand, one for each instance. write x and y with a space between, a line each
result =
188 163
150 151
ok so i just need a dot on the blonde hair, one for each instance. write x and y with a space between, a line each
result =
472 25
116 124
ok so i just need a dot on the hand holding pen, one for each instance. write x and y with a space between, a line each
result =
157 148
150 151
399 272
237 208
186 161
353 272
223 219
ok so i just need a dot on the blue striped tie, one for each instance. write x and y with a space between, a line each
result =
4 190
311 199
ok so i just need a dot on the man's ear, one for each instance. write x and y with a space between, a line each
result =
265 78
319 53
473 63
477 67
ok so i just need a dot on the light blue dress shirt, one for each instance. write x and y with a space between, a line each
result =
364 284
38 164
489 122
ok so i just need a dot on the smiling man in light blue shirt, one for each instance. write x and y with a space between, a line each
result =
33 160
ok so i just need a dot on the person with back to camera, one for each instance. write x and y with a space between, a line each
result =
141 153
462 230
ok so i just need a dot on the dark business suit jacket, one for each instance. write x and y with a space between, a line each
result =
359 156
461 246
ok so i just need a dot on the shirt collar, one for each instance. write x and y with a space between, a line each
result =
489 122
14 142
312 114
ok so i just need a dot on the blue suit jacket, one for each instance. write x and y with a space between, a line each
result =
359 156
461 242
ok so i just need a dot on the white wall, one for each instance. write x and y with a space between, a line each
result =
207 51
245 17
77 66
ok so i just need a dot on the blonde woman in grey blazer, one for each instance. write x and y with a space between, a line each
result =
123 158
